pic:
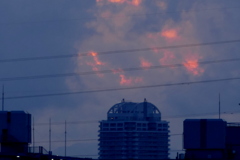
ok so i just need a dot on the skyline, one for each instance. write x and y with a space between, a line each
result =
57 47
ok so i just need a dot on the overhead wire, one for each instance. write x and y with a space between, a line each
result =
164 117
123 88
118 16
81 140
118 51
116 70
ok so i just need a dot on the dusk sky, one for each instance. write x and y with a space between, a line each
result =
74 59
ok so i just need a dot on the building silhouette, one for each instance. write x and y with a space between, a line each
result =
133 131
211 139
15 131
15 139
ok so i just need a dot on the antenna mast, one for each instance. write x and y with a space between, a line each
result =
219 107
3 98
33 136
65 138
49 134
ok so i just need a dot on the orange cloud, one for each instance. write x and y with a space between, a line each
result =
193 67
145 63
132 2
95 58
117 1
106 14
170 34
95 63
136 2
129 81
168 57
116 71
162 5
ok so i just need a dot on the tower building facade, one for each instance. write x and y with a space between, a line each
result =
133 131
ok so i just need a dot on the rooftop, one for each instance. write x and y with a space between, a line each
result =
143 111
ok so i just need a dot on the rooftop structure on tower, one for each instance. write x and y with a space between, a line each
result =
133 131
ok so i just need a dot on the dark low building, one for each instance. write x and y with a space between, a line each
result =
233 140
15 138
15 132
211 139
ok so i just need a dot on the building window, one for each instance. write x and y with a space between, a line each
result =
105 129
112 124
112 129
105 124
120 124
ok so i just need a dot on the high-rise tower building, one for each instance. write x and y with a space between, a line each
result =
133 131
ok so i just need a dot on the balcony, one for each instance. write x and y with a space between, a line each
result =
38 150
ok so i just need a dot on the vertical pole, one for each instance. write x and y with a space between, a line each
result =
65 138
49 134
219 107
3 98
145 109
33 136
183 141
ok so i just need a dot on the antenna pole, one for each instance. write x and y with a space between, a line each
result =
49 134
3 98
33 135
65 138
219 107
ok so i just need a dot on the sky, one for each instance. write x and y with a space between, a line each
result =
73 60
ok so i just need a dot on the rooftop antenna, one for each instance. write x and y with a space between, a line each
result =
33 135
3 98
65 138
219 107
145 108
49 134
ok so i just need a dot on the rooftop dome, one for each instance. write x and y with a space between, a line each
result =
143 111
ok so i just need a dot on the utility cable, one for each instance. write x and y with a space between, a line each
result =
110 17
118 51
93 139
123 88
117 70
163 117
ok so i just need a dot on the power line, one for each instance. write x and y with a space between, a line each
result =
73 140
110 17
93 139
124 88
85 155
164 117
73 122
118 51
111 71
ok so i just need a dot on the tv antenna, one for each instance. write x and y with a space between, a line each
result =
3 98
219 107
